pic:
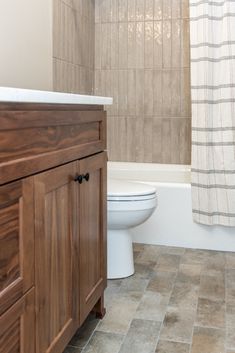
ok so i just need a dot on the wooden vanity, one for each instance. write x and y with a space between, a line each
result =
52 222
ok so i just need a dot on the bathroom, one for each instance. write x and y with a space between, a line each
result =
179 294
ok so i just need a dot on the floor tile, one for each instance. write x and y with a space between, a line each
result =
178 325
172 347
142 337
144 270
150 253
119 315
184 294
230 337
230 314
208 340
190 273
194 256
212 287
104 342
230 260
168 262
210 313
83 334
162 282
152 306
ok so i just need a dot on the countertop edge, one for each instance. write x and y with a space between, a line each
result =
20 95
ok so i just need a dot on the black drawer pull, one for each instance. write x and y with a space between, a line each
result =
86 176
79 178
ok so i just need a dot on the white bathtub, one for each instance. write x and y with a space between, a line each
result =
172 224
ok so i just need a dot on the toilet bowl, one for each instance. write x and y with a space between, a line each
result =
129 204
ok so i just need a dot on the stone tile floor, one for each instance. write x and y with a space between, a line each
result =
178 301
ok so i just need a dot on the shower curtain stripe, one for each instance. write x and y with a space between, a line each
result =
212 34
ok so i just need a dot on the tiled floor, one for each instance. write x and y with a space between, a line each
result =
178 301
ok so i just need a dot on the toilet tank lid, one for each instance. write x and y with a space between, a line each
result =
117 187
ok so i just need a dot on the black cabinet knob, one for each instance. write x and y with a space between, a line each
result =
86 176
79 178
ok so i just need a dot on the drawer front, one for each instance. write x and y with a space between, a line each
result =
17 331
16 241
32 141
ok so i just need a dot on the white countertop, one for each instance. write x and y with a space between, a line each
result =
19 95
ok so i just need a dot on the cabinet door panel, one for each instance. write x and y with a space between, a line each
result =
17 326
92 219
56 251
16 241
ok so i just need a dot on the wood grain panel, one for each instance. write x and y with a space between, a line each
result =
92 219
17 326
16 241
56 251
35 141
45 107
11 120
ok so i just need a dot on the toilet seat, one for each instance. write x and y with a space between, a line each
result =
121 190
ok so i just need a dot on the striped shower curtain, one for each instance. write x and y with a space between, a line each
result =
212 35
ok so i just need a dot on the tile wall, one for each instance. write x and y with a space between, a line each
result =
73 45
142 60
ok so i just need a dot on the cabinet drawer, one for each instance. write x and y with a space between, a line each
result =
17 326
32 141
16 241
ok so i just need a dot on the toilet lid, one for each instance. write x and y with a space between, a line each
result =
123 190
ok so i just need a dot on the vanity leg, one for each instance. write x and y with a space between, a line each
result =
99 308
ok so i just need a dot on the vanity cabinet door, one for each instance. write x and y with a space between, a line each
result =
57 251
16 241
17 326
92 220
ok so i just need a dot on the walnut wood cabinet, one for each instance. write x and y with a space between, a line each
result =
52 223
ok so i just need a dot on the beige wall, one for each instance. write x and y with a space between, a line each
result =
26 44
73 45
142 60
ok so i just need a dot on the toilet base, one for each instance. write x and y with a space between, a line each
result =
120 254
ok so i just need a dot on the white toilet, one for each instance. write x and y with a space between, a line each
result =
129 204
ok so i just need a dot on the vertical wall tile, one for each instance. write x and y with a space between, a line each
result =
185 8
185 47
157 45
131 98
166 140
123 45
131 10
122 93
176 8
175 93
131 136
148 92
158 9
166 9
166 44
106 46
157 140
148 45
185 93
149 10
148 137
98 44
114 45
114 10
131 45
140 10
176 43
139 44
122 10
139 92
157 93
166 92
